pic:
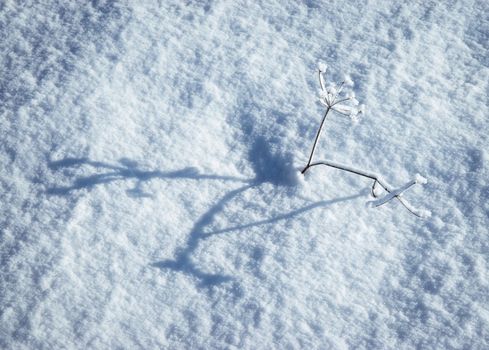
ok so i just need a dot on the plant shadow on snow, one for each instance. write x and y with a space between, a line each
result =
127 170
269 167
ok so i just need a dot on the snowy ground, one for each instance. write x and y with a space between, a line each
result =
148 197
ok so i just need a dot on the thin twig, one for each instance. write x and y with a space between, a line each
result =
321 80
373 189
394 193
316 141
342 113
338 90
364 174
342 100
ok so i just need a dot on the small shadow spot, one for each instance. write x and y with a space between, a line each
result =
270 164
475 159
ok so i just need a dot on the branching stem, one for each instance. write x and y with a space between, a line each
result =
329 100
377 180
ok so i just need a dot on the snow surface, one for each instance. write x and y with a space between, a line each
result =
149 189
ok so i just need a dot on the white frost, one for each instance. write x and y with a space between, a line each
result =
348 81
420 179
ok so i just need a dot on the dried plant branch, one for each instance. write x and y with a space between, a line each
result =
329 98
391 192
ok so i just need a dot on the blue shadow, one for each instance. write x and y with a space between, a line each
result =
127 170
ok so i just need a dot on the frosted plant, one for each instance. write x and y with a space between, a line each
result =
335 97
340 98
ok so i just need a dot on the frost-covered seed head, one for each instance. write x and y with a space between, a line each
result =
348 81
420 179
339 97
322 67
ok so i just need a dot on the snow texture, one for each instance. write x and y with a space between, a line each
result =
149 184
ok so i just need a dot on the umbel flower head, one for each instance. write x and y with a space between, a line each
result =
339 97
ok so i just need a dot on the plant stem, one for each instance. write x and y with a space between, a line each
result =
316 141
364 174
320 80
